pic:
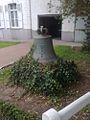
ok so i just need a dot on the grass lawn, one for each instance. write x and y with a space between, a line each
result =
6 44
71 54
82 59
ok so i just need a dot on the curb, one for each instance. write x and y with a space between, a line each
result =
7 65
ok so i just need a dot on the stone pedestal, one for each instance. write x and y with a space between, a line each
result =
43 51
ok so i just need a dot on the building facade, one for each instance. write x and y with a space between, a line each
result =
20 19
15 20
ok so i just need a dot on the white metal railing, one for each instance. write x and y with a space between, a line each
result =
67 112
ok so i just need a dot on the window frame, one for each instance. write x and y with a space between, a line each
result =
15 19
1 20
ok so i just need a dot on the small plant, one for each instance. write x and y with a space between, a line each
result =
48 79
86 45
10 112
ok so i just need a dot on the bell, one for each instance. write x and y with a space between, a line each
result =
43 50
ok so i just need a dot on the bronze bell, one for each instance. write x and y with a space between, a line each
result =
43 50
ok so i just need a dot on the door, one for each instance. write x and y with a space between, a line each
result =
52 24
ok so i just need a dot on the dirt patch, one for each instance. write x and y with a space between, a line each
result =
39 104
28 102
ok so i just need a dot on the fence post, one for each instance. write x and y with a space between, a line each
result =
67 112
51 114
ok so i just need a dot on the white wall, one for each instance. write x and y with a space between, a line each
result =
40 7
68 29
80 35
26 14
68 24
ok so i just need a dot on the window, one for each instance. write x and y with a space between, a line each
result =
13 13
1 17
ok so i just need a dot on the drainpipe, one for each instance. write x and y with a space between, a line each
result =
75 27
3 21
30 17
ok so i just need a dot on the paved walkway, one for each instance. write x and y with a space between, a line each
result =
72 44
11 54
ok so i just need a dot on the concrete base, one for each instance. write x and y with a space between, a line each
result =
15 34
67 36
80 36
27 34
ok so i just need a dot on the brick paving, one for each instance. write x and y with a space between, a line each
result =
11 54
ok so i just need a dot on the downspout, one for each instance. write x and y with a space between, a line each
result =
75 27
30 17
3 21
4 25
22 17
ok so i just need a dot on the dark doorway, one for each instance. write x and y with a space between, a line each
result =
51 23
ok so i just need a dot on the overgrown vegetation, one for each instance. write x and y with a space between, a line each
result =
6 44
10 112
86 45
49 79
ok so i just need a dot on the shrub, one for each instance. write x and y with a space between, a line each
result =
10 112
86 45
48 79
